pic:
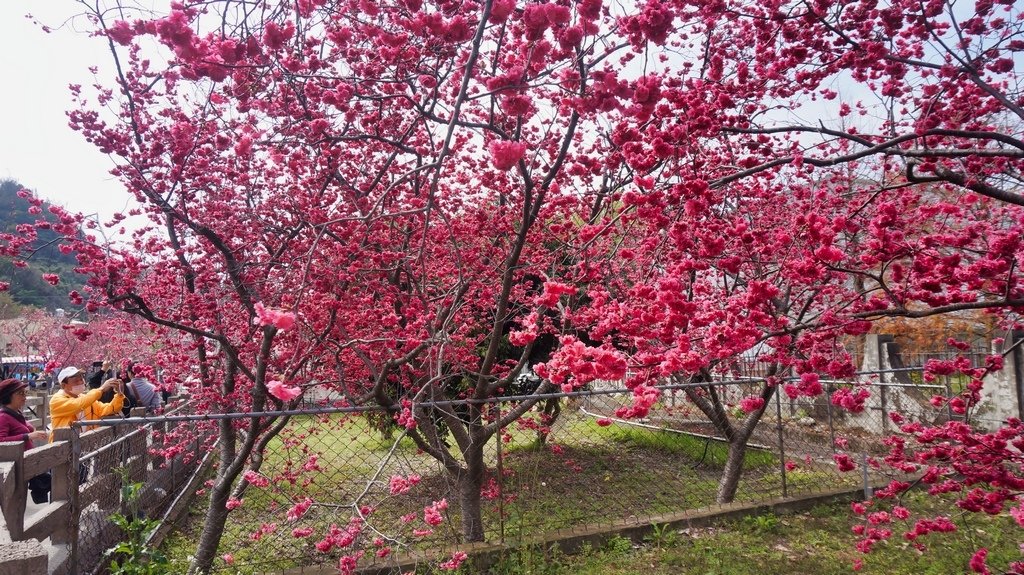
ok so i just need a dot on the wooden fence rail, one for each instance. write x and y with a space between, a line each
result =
75 523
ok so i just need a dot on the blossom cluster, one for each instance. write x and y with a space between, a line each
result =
850 400
399 485
340 537
432 514
575 364
298 510
283 391
274 317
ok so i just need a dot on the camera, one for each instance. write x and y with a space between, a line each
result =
97 364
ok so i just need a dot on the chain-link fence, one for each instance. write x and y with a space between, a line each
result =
338 480
342 481
160 456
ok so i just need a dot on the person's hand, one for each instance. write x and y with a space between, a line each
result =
112 383
38 436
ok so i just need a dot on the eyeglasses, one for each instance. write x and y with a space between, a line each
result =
21 392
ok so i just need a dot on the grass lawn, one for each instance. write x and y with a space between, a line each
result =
818 542
586 474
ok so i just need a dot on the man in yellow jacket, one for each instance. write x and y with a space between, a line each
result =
75 403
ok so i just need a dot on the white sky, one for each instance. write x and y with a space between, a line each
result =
37 147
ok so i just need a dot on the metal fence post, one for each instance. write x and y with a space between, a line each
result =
782 442
949 395
138 451
884 396
828 410
498 468
868 492
1018 370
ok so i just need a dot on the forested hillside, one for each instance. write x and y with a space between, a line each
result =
27 286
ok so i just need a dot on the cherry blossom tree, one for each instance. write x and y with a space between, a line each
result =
744 233
899 199
348 195
62 341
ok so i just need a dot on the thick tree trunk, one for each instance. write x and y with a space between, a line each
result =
469 483
213 529
220 492
730 480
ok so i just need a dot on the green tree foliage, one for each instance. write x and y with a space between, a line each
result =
27 284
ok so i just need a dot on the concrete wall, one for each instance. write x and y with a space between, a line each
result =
1000 394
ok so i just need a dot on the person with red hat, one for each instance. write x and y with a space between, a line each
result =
13 426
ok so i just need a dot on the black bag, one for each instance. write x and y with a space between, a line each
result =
130 400
39 487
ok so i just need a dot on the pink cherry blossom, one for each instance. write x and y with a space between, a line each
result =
255 479
264 529
750 404
277 318
505 154
456 560
348 563
298 510
852 401
399 484
844 462
432 513
978 562
282 391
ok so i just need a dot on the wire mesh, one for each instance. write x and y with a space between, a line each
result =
336 481
343 484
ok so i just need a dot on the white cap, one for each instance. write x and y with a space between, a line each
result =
68 372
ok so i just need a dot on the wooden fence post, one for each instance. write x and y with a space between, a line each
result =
13 490
65 488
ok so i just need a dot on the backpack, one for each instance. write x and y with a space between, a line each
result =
39 487
131 399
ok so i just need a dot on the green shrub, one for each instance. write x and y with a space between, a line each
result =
134 556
